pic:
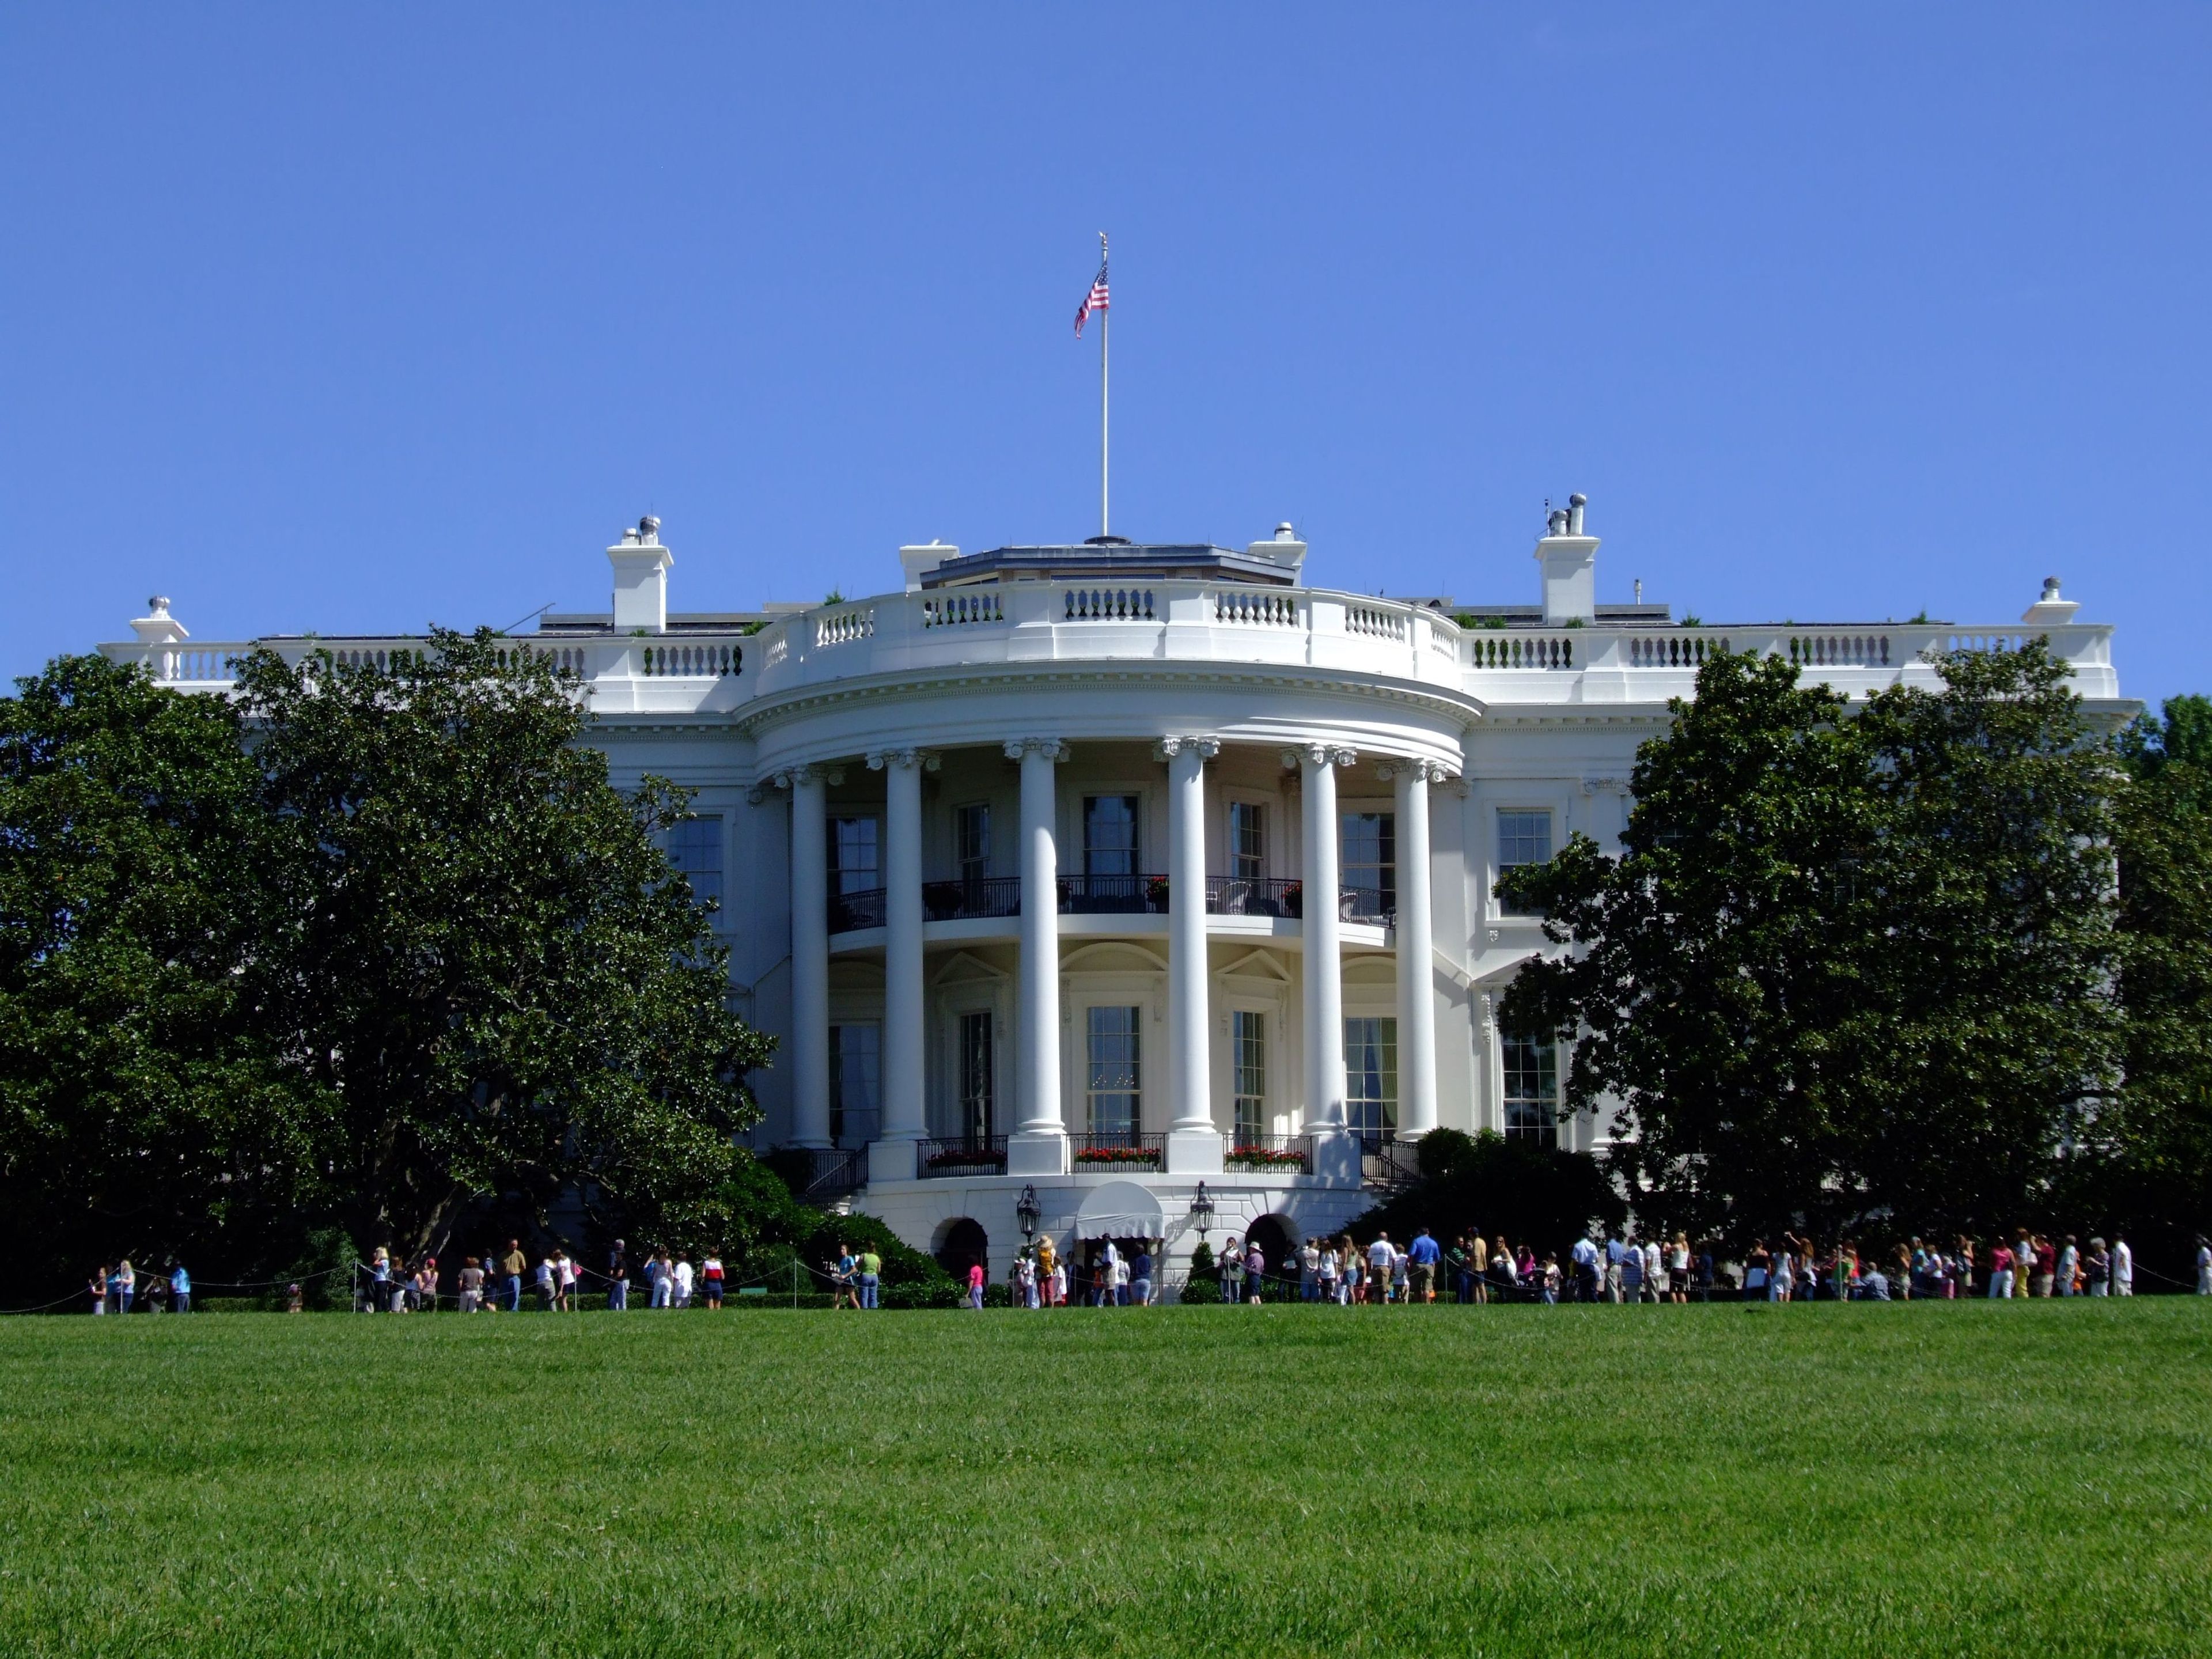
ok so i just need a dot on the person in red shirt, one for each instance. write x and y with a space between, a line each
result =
975 1285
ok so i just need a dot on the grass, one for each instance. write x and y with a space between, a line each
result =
1954 1480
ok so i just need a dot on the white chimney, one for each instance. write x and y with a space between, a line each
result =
1570 561
1285 550
641 565
920 559
159 628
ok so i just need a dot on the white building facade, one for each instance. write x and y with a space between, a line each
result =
1075 880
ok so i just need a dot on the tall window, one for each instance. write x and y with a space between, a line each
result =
971 828
1370 1078
1247 841
1532 1089
1247 1032
1110 1057
1523 838
1369 841
856 1081
975 1096
695 847
855 857
1109 835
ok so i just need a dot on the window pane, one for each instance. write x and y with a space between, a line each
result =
855 860
1109 835
1111 1064
1523 838
1248 1033
1532 1088
972 827
695 847
976 1093
1247 841
1370 1076
1368 854
855 1083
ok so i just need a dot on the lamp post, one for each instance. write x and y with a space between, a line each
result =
1201 1211
1026 1212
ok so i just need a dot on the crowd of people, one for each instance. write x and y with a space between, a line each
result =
1601 1267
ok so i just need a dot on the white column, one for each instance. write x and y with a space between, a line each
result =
1417 1003
810 957
1194 1145
1335 1154
904 1119
1039 1144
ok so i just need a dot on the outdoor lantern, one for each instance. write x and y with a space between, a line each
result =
1025 1211
1201 1209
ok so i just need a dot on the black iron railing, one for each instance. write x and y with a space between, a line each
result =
1138 894
979 896
1258 1154
1386 1161
1237 895
1367 904
849 912
838 1170
963 1155
1118 1149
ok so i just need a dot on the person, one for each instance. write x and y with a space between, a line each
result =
1232 1272
427 1283
1478 1260
511 1265
1505 1276
1309 1271
1140 1275
1624 1274
1758 1267
1584 1257
1547 1280
1255 1268
2097 1268
1421 1267
2046 1265
99 1289
872 1276
294 1302
684 1279
126 1285
1457 1262
2124 1267
1047 1265
1781 1276
1059 1283
618 1278
1874 1285
1025 1280
565 1265
1616 1267
2069 1268
1382 1264
473 1280
2023 1264
180 1288
548 1285
845 1279
1122 1279
1329 1271
2203 1265
975 1285
711 1271
1703 1273
379 1280
2001 1272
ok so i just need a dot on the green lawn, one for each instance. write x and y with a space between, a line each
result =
2018 1480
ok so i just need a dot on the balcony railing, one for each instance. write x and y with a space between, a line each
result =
1368 904
1238 895
973 896
838 1171
850 912
1259 1154
1118 1149
1136 895
964 1155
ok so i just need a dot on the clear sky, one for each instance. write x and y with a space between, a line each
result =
355 318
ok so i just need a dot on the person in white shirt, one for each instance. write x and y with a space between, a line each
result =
2123 1268
2069 1266
1382 1261
1025 1279
1655 1275
683 1296
1120 1280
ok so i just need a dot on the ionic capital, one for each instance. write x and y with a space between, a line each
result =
1204 748
1420 770
813 771
1319 754
1051 747
927 759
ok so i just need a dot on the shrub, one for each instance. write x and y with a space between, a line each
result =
1204 1284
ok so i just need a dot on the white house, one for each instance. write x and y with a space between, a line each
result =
1019 860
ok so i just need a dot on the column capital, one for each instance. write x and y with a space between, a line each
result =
1204 748
813 771
1051 747
927 759
1420 770
1319 754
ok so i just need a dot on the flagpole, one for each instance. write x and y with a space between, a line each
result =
1105 322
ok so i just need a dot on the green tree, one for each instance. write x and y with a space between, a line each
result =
470 941
142 1109
1851 961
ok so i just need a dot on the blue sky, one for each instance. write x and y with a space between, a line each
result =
355 319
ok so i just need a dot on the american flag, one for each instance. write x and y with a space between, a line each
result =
1094 301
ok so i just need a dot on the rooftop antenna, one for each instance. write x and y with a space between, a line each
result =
527 615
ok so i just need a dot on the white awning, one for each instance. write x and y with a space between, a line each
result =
1120 1209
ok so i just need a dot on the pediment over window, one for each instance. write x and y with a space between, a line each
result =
1263 965
1112 957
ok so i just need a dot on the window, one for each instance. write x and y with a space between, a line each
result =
856 1074
1109 835
855 858
1523 838
695 847
1110 1057
1247 841
1248 1033
1370 1078
1532 1089
1369 841
975 1103
971 827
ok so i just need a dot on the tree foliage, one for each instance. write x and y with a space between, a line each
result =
1528 1192
1851 960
